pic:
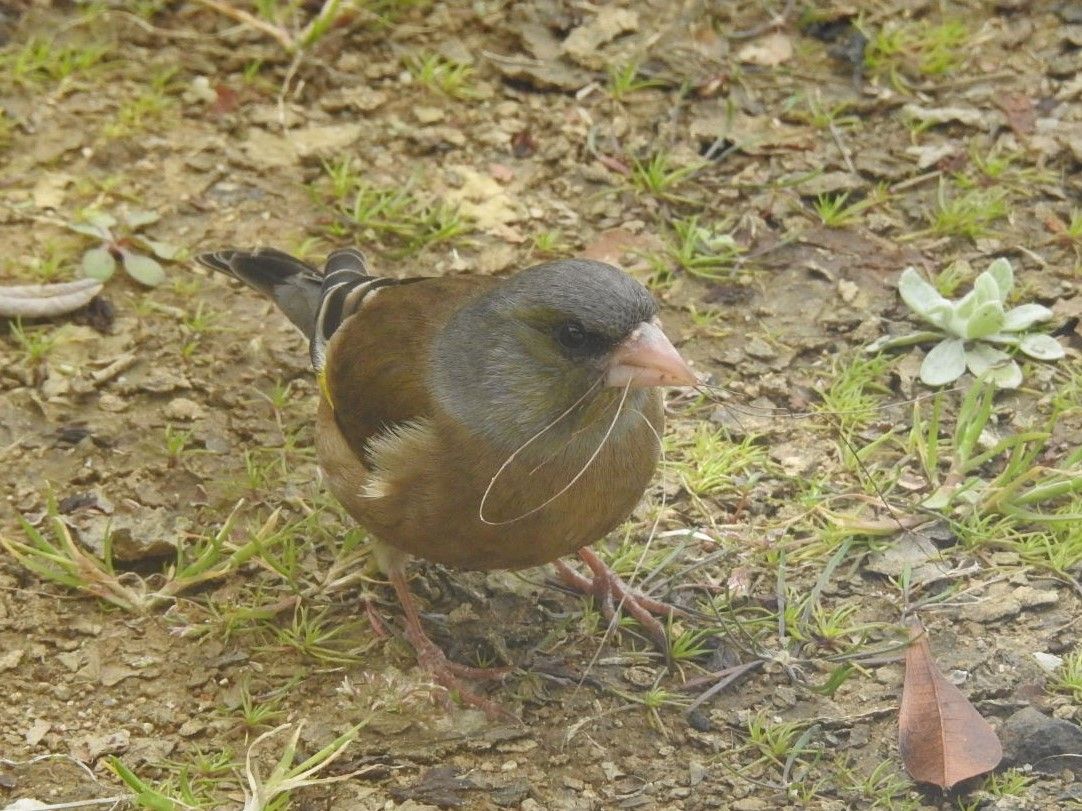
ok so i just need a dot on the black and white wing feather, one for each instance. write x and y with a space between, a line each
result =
346 286
290 283
316 303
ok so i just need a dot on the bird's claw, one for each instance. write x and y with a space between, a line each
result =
443 671
449 675
613 594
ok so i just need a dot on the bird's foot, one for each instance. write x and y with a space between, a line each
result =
443 671
450 675
613 594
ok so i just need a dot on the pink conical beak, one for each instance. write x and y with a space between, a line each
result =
647 358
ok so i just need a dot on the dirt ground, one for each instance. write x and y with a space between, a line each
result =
768 169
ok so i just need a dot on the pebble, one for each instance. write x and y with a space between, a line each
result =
55 387
111 403
10 659
988 610
750 804
1065 712
429 115
1049 744
191 727
1030 597
847 290
696 773
181 408
37 731
758 348
640 676
784 696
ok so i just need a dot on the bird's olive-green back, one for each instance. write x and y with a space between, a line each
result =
382 379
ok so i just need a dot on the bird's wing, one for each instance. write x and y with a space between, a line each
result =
347 285
375 358
369 336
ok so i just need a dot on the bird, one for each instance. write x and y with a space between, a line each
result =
480 422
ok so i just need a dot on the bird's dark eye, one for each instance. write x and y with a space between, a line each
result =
571 335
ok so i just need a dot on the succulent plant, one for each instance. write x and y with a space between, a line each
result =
972 329
119 240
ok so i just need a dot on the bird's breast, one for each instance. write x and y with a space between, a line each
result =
438 492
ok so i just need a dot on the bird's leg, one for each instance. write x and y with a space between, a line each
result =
613 594
432 658
429 654
378 628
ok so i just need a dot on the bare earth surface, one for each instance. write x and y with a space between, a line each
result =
153 417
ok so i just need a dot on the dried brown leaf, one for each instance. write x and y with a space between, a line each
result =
1020 111
942 737
47 300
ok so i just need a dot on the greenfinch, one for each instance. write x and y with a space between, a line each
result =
480 422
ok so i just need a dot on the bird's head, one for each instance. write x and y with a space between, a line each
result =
557 334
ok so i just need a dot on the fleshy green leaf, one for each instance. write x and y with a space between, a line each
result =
89 229
163 250
143 269
964 307
945 363
941 316
985 320
1041 347
922 298
1001 271
1025 316
101 219
99 264
1006 376
993 365
138 217
982 357
986 289
899 341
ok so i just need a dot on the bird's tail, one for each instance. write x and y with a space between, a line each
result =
317 303
290 283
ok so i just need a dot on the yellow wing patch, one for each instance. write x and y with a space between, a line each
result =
324 386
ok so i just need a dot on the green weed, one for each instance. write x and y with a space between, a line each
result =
970 213
148 109
1068 677
809 108
835 210
35 344
315 635
7 128
550 243
53 555
701 251
1009 783
54 262
905 50
442 75
709 463
778 742
177 441
394 214
709 321
885 787
626 79
40 60
660 176
264 710
856 390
